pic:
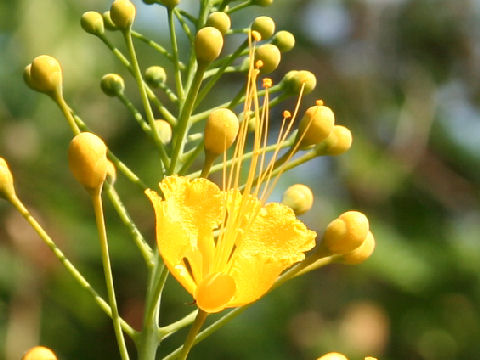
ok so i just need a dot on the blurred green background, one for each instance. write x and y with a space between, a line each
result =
402 74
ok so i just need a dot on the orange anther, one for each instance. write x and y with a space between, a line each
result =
287 114
267 83
256 35
319 102
258 64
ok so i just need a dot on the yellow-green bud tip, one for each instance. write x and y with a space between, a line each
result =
339 141
6 180
262 2
112 84
39 353
284 40
265 26
316 125
295 79
155 76
168 3
123 13
87 159
92 23
164 130
221 130
107 21
333 356
299 197
45 74
361 253
208 44
219 20
270 57
346 233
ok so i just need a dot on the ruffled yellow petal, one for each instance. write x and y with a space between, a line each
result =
270 244
185 222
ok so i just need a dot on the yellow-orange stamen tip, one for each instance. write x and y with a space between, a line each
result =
319 102
267 83
258 64
256 35
287 114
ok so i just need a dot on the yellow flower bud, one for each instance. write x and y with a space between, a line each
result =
39 353
45 74
262 2
295 79
221 130
87 159
270 56
333 356
107 21
346 233
208 44
361 253
92 22
164 130
299 197
6 180
316 125
219 20
168 3
370 358
339 141
265 26
155 76
122 13
284 40
112 84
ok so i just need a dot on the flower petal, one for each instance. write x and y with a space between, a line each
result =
185 222
273 242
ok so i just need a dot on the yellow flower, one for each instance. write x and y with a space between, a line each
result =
225 246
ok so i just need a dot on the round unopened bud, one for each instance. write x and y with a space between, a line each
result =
284 40
6 180
39 353
270 56
262 2
295 79
265 26
219 20
346 233
316 125
108 22
87 159
333 356
299 197
155 76
45 74
122 13
221 130
92 23
208 44
112 84
361 253
164 130
339 141
169 3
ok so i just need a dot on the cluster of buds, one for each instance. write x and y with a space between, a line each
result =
349 236
338 356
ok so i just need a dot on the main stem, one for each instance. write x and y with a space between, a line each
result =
149 338
107 269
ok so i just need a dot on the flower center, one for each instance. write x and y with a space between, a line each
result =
214 292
